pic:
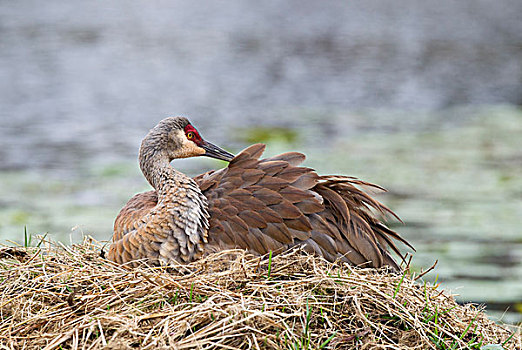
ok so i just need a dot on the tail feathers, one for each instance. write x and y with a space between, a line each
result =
346 187
351 209
389 232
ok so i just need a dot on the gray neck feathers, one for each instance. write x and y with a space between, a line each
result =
153 157
188 206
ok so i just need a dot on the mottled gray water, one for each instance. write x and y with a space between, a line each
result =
83 79
380 88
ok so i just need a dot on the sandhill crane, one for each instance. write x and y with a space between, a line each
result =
260 205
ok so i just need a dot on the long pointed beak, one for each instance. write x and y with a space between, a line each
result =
214 151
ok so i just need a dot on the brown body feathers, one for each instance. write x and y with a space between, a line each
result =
262 205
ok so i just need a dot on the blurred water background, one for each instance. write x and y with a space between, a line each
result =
422 98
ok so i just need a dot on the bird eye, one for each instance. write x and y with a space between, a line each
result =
190 135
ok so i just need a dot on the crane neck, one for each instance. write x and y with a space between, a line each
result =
155 163
182 209
156 168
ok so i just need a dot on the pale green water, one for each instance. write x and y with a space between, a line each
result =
454 178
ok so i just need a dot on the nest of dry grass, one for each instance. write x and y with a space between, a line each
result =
69 297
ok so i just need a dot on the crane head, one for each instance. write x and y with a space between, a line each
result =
183 140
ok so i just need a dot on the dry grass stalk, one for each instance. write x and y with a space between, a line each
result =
69 297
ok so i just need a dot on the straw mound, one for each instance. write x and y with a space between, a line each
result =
70 297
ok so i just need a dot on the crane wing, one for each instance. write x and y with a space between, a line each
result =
130 215
274 204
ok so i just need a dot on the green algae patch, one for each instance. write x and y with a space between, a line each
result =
266 135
